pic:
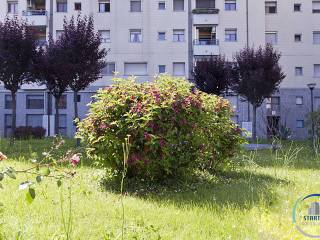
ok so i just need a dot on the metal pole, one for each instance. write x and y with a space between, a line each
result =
312 109
247 25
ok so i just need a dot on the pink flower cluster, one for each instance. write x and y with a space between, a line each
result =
134 158
156 96
2 157
74 160
137 108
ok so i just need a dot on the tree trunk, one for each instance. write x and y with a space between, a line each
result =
76 116
14 113
56 117
254 122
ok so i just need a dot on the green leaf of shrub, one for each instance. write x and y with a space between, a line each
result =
39 178
1 176
11 174
59 183
30 196
46 172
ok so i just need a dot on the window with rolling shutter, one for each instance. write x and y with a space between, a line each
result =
34 120
271 7
179 69
104 6
205 3
109 69
136 69
105 36
316 37
316 70
271 38
135 6
316 6
178 5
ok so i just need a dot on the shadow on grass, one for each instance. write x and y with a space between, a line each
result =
238 189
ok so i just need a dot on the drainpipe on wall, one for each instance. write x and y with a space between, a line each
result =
190 36
247 26
49 97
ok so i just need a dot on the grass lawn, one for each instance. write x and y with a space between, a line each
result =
254 201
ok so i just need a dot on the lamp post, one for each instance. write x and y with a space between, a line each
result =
312 86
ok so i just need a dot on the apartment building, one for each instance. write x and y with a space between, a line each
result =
148 37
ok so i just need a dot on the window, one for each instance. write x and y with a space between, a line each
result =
109 69
105 36
297 7
104 6
271 38
205 3
298 71
35 102
179 69
7 101
271 7
230 5
162 68
316 6
178 35
62 128
316 70
231 35
298 37
161 36
77 6
78 98
137 69
316 37
178 5
62 104
62 6
13 7
300 123
7 125
135 36
135 6
162 5
59 33
34 120
299 100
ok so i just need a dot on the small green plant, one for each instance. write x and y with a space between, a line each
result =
52 165
313 123
126 150
173 128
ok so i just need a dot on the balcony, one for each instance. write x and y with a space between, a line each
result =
205 16
205 12
206 47
36 17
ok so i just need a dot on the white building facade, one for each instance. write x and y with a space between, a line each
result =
147 37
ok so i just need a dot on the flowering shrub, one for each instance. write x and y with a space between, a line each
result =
173 128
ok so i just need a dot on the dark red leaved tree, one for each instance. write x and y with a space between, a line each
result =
81 45
18 46
256 76
212 75
52 70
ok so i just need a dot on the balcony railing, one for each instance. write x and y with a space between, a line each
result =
34 13
206 42
205 11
